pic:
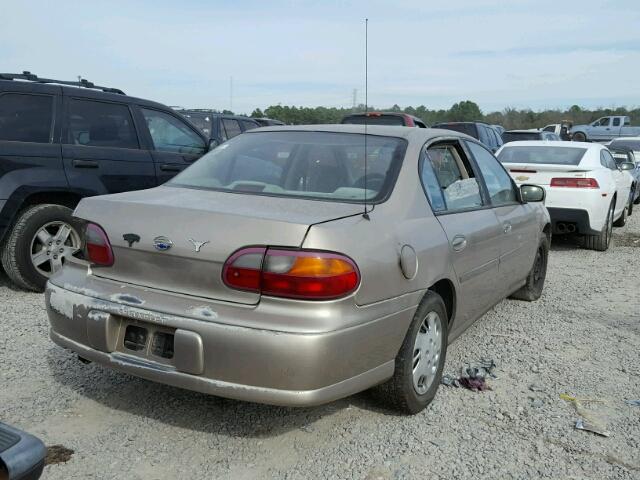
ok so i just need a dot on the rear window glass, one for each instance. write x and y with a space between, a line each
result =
319 165
515 136
468 128
542 155
375 120
631 144
100 124
25 118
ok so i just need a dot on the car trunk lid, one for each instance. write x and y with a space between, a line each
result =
186 235
541 174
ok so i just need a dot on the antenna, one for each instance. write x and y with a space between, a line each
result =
365 214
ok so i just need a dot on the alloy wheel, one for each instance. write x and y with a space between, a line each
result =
52 244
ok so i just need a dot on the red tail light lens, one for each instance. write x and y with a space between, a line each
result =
97 247
575 182
300 274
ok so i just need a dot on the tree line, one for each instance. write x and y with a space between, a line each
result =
510 118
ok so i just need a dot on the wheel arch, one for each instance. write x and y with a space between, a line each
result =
447 291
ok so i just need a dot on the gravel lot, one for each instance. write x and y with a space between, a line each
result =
582 338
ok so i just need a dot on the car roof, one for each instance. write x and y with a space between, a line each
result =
410 133
546 143
523 130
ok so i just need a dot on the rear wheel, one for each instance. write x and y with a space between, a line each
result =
532 290
41 240
420 361
630 207
601 241
579 137
622 221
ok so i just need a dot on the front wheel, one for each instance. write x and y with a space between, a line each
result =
420 361
532 290
40 242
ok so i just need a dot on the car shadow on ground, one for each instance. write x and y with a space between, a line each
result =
566 242
192 410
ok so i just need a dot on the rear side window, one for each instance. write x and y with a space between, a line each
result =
483 135
99 124
246 125
448 179
616 122
26 118
231 127
169 134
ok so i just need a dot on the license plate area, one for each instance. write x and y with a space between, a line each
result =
146 340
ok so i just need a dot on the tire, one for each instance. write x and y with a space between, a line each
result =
630 207
27 243
532 290
399 391
579 137
601 241
622 221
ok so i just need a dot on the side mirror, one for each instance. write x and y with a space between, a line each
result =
21 455
213 143
532 193
626 166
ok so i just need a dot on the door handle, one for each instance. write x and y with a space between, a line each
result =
507 227
85 163
458 243
170 168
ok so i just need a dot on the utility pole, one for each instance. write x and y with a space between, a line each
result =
231 93
355 99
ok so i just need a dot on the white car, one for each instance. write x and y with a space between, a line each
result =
586 192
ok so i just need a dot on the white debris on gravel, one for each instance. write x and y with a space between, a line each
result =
582 338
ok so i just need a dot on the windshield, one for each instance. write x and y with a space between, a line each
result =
630 144
515 136
468 128
544 155
375 120
319 165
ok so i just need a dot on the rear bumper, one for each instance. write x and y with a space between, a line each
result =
257 365
562 218
586 208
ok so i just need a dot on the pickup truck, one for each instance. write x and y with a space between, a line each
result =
605 129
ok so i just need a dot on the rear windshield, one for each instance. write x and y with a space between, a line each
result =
542 154
630 144
375 120
318 165
515 136
468 128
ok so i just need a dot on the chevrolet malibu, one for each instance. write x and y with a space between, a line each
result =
298 265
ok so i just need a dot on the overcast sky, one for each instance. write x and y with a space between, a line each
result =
521 53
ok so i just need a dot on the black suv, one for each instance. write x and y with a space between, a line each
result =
61 141
219 127
485 133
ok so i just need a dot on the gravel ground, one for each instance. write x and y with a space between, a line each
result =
582 338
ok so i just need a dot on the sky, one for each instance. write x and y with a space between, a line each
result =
242 55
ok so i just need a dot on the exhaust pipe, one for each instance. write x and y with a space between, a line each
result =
561 227
571 228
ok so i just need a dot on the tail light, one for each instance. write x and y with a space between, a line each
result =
300 274
97 247
575 182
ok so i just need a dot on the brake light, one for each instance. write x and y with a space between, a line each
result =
575 182
97 247
300 274
374 114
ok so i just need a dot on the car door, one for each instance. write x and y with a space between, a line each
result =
101 150
520 236
621 179
601 129
174 143
470 225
